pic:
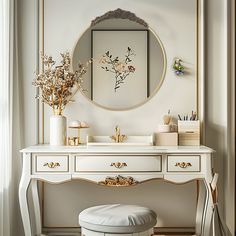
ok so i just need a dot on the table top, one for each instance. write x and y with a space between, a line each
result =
46 148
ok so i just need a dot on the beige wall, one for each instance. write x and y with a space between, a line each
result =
175 94
216 108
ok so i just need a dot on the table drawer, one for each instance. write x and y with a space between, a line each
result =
117 163
183 163
51 163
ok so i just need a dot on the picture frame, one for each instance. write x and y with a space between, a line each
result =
120 64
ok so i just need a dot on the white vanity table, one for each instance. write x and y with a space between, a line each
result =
116 165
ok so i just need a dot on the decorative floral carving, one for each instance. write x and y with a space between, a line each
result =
120 68
52 164
119 14
183 164
118 181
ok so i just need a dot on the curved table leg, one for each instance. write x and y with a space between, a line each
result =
37 209
24 208
204 209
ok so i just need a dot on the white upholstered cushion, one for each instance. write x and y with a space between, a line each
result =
117 218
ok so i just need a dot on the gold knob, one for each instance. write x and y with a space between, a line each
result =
118 165
183 164
52 164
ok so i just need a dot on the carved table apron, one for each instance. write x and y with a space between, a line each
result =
116 166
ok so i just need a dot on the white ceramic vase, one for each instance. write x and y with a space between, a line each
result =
57 130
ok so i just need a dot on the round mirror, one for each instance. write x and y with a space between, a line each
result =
129 61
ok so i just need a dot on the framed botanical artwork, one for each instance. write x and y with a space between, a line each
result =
120 67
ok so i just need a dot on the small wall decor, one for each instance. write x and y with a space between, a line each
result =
58 84
178 67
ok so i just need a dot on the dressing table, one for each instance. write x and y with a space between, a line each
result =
116 166
123 165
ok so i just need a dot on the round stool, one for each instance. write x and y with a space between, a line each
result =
117 219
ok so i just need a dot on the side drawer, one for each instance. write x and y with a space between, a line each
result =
51 163
183 163
114 163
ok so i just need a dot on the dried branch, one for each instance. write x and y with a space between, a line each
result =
56 82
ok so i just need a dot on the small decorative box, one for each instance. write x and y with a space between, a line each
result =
166 139
189 133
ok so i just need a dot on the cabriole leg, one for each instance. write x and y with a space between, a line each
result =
24 208
37 209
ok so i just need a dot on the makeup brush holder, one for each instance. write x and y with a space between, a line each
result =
189 133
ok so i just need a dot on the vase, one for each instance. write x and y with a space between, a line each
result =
57 130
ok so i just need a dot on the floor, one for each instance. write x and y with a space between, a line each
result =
72 234
156 233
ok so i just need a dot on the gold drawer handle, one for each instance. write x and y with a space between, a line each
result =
183 164
118 165
119 181
52 164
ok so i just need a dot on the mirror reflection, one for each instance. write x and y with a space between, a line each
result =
128 64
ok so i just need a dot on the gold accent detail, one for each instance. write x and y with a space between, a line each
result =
183 164
119 181
118 165
118 138
57 111
42 65
52 165
73 141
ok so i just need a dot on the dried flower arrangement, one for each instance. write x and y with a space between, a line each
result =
56 82
120 69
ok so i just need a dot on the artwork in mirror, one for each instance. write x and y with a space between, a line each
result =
117 70
129 61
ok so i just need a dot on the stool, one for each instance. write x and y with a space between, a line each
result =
117 219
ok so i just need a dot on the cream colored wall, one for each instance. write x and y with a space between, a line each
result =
176 94
216 124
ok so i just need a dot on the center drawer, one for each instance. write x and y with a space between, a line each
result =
117 163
